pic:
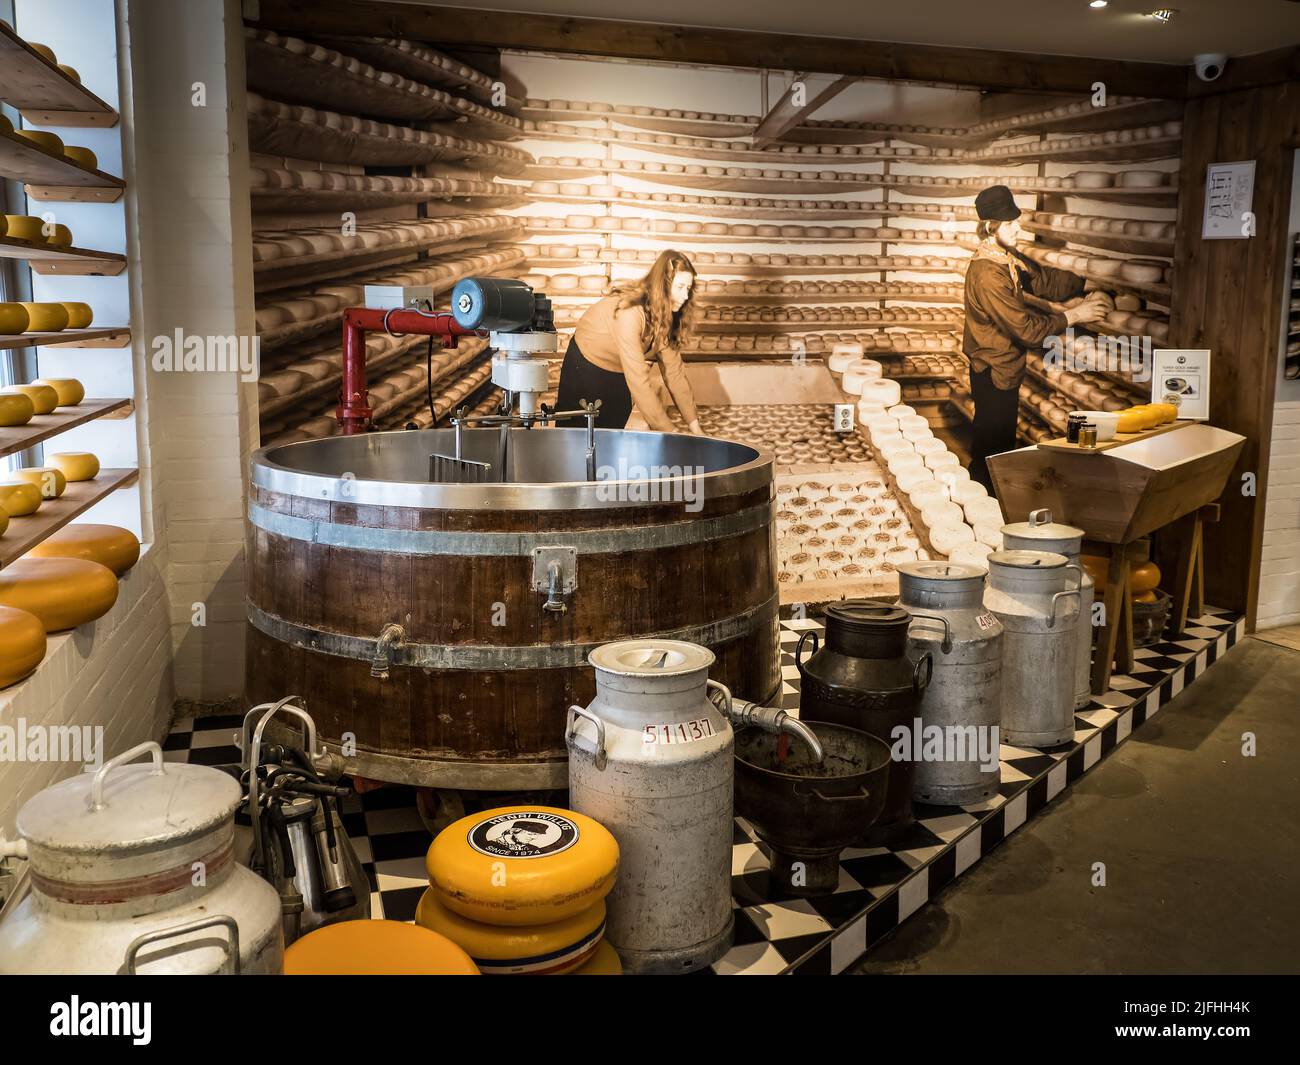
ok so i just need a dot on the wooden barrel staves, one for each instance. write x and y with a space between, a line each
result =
481 602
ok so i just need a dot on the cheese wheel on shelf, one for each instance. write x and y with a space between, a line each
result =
604 961
50 142
60 236
15 409
22 644
510 950
25 227
375 948
13 316
19 498
83 157
522 865
62 592
69 390
51 481
79 315
46 317
75 465
44 398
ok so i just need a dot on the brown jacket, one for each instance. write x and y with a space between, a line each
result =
611 339
1001 324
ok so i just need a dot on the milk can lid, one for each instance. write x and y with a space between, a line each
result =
650 657
865 616
940 571
1040 526
121 806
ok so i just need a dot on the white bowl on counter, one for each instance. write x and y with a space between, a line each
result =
1107 422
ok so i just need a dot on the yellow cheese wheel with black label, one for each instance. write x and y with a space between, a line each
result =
75 465
375 948
22 644
604 961
19 498
62 592
110 546
522 865
517 950
49 480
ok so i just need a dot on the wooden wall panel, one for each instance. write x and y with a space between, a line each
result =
1228 298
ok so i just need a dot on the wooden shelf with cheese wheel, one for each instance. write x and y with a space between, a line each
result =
45 92
27 531
41 427
48 175
52 259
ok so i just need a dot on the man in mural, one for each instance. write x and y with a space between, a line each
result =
1013 304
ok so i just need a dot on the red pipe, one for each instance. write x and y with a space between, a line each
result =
354 411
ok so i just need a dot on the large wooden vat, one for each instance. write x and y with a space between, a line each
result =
346 536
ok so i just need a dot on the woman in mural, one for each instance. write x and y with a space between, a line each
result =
1012 305
621 337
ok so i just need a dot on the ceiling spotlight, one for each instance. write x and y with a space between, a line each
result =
1163 14
1098 3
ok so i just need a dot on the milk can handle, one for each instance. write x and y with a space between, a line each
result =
798 648
725 692
1040 517
919 685
946 646
1051 618
97 784
583 712
231 946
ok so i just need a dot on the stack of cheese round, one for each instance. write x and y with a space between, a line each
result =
62 592
521 889
19 498
22 644
44 398
375 948
110 546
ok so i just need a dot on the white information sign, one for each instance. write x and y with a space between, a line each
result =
1229 193
1181 376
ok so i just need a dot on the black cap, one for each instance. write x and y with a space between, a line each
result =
996 204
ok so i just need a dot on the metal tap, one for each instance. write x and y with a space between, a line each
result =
391 636
742 712
554 590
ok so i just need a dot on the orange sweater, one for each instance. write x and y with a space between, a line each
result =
611 339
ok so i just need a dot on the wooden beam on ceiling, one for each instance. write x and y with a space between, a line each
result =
1009 71
787 113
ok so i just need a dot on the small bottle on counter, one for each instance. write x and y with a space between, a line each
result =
1087 435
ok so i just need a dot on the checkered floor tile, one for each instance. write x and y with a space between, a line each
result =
878 888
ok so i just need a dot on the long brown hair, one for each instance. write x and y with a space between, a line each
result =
653 294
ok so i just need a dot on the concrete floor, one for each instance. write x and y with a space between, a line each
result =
1201 848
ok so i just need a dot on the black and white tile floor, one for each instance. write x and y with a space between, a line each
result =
879 888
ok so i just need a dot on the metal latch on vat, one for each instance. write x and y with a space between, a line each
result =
555 572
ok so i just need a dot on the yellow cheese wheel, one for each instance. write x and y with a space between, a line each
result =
375 948
51 142
68 389
22 644
51 481
19 498
25 227
4 520
44 51
43 398
71 72
46 317
62 592
604 961
13 319
60 236
110 546
1130 421
15 408
83 157
1145 597
514 950
79 315
75 465
1167 411
522 865
1144 577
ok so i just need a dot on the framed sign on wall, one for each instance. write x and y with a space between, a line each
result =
1181 376
1229 193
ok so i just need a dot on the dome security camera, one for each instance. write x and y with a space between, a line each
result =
1210 65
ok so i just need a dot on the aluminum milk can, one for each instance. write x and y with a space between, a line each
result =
863 678
651 759
133 871
961 708
1040 533
1035 594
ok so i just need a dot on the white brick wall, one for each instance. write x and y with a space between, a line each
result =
1279 576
